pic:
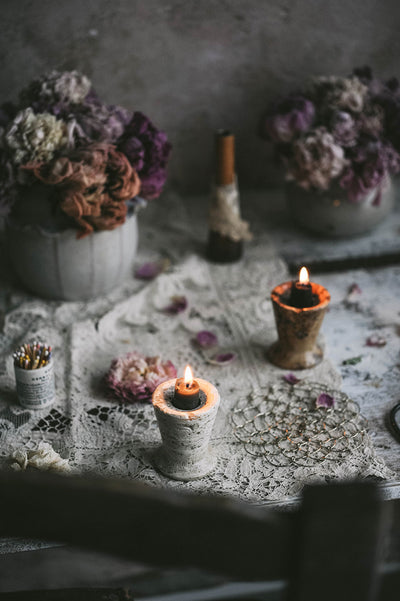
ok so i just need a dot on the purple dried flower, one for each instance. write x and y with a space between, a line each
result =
325 400
178 305
371 163
291 379
96 121
147 149
376 340
206 339
134 377
291 117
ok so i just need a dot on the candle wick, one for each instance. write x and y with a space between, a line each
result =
187 384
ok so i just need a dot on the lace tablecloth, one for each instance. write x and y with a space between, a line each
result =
101 435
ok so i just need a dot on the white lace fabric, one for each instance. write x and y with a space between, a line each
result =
102 435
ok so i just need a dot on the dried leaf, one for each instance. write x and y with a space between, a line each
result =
352 360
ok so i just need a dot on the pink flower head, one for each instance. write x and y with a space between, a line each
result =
134 377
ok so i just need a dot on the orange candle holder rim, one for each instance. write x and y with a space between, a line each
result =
317 289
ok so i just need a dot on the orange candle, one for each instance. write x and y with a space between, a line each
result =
187 391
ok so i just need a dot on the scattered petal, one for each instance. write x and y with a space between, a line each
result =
150 270
221 358
352 360
224 358
325 400
291 379
206 339
353 294
178 305
376 340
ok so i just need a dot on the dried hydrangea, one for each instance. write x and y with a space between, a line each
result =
35 137
94 121
55 91
344 93
134 377
316 160
291 117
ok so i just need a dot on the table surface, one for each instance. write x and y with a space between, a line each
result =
372 381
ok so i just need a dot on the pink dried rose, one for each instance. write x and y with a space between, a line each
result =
134 377
205 339
291 379
177 305
325 400
91 186
376 340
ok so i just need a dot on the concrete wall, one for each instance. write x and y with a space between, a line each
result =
195 66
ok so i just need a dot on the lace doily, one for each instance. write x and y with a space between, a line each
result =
100 435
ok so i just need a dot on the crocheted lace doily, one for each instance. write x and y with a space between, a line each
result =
100 435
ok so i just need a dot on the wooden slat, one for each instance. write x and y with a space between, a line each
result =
148 525
340 537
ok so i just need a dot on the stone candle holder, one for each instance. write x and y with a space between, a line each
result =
298 329
185 453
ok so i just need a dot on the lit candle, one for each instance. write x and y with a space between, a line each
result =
187 391
301 295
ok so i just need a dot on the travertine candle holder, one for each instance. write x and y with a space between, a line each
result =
298 329
185 453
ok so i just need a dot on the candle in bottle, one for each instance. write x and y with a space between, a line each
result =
187 392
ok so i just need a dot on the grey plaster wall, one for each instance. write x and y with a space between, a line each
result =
195 66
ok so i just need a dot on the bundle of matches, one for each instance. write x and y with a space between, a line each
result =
32 356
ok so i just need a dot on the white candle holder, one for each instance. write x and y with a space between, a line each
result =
185 453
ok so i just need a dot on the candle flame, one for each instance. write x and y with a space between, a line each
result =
303 276
188 376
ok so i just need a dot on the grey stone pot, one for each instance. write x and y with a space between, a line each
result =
59 266
331 214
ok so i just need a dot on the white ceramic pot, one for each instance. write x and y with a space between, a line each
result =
330 213
59 266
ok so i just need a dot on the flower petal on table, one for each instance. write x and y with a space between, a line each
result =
375 340
325 400
151 269
291 379
178 305
222 358
206 339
